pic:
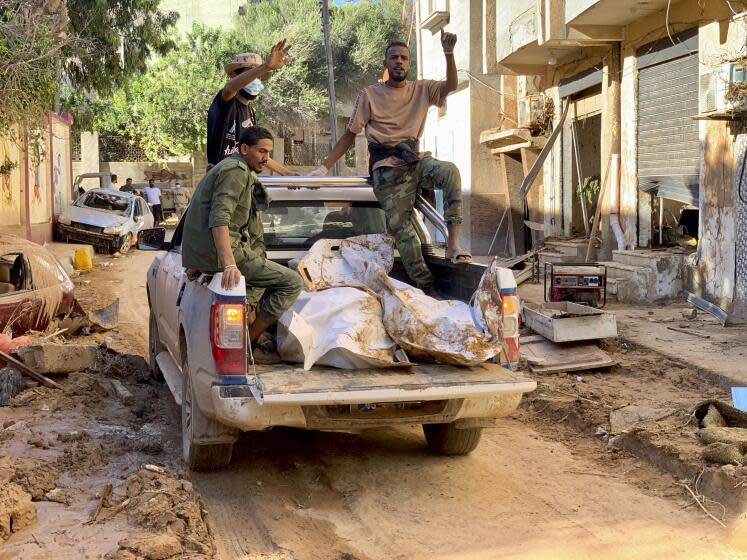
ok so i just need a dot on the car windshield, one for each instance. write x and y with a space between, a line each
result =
119 205
299 224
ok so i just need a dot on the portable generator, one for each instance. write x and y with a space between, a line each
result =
577 282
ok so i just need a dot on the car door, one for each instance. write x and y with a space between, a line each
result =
170 280
148 220
19 305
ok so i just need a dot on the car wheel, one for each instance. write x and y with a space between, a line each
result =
126 244
154 347
196 427
447 439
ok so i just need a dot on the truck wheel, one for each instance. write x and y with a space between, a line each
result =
126 244
201 456
154 347
448 440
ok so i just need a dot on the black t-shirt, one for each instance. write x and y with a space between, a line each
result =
225 122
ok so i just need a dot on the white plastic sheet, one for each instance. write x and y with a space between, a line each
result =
344 262
337 327
333 323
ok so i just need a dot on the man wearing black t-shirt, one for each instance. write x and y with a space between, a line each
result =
231 112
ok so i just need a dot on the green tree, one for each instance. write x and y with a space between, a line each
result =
116 39
32 37
166 107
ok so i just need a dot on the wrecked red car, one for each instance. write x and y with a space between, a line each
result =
34 288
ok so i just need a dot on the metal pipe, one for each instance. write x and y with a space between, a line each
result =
330 78
433 215
313 182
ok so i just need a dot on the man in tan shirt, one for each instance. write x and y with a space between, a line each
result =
392 114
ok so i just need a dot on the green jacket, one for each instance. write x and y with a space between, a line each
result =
229 195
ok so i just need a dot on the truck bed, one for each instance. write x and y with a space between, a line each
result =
286 384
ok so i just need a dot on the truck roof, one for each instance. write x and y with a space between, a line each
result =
353 189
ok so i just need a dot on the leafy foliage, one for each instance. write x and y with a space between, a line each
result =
166 108
116 40
31 41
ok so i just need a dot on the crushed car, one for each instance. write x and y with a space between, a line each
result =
107 219
34 287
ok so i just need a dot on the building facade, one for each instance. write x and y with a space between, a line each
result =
642 105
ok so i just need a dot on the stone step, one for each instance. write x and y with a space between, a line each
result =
575 249
632 284
553 257
667 270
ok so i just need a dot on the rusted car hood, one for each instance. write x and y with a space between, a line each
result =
94 217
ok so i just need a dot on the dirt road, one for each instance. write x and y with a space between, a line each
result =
531 490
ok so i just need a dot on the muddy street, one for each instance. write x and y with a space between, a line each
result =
535 487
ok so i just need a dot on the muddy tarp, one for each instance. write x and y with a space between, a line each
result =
352 327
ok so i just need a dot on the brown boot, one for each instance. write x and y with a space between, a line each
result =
265 358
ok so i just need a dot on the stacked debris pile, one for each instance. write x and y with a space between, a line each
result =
166 507
22 482
723 429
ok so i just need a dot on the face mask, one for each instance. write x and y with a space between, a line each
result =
255 87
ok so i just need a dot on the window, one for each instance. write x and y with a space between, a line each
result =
299 224
435 14
13 273
106 202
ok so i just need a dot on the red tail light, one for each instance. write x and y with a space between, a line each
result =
510 329
228 337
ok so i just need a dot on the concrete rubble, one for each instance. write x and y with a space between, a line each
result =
58 358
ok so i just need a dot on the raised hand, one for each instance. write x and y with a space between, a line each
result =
448 40
279 55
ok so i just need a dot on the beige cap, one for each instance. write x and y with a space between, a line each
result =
243 60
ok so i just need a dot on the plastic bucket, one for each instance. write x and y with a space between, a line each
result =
82 259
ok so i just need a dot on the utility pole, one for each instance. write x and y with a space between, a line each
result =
330 81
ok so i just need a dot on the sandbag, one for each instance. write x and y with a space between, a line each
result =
430 330
337 327
344 262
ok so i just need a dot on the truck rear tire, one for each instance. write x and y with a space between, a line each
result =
447 439
195 427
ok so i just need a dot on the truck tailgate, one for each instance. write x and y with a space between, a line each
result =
294 386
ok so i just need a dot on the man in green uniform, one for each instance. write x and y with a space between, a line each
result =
227 203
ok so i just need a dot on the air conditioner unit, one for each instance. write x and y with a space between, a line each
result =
531 111
715 86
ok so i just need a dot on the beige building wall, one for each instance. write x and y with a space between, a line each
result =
452 133
721 39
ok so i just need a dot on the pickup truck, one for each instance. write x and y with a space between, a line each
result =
198 342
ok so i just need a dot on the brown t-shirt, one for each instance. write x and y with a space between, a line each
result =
392 115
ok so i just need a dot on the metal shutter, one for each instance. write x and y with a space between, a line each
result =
668 140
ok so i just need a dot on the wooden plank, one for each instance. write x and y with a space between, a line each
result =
289 380
123 393
547 357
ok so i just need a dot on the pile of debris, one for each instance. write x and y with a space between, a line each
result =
566 337
166 507
23 482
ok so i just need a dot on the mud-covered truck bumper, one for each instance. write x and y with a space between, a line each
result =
330 399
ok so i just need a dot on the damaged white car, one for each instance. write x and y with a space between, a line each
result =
107 219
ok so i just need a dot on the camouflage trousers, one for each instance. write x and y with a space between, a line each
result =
271 288
396 189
